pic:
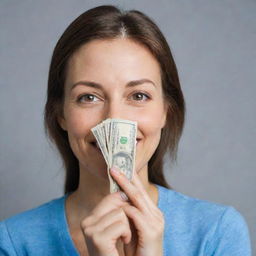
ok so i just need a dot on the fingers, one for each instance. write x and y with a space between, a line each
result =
147 218
106 224
104 233
103 222
108 203
134 190
116 230
137 182
134 214
145 223
110 230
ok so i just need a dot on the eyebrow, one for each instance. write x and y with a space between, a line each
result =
99 86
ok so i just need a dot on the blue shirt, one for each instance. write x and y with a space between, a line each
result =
192 227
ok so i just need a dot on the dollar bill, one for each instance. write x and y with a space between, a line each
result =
117 141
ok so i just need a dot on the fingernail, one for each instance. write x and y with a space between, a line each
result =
123 196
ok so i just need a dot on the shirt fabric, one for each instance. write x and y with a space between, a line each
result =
193 227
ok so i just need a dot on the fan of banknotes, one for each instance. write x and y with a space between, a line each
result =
116 139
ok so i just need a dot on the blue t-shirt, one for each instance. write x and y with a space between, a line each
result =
192 227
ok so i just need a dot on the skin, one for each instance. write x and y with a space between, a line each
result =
101 223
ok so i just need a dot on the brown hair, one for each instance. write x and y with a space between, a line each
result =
108 22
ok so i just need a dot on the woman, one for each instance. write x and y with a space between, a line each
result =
113 64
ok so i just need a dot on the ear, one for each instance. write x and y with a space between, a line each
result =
62 122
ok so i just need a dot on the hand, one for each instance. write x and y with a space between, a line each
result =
106 224
147 219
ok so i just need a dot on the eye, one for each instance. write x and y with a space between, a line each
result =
139 96
88 98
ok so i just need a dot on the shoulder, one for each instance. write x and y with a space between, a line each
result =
215 223
25 227
36 216
189 208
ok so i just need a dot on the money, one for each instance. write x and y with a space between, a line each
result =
116 139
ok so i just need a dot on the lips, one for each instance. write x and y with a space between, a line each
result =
138 140
95 144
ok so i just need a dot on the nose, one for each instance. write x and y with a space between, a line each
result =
114 109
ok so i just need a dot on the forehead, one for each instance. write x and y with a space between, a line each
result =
119 59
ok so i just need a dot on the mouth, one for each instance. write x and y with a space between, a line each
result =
137 140
95 144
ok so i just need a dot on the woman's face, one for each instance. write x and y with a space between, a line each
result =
112 79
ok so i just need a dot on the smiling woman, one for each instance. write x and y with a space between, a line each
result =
125 82
117 64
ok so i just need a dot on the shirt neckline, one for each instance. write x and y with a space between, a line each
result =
64 231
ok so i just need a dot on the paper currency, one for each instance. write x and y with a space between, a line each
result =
117 141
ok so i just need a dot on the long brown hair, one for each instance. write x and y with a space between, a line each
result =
109 22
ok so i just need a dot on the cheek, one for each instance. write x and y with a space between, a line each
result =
151 130
149 126
79 122
150 121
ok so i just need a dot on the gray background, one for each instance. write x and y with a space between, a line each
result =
213 43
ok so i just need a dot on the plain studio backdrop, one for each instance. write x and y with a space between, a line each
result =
213 43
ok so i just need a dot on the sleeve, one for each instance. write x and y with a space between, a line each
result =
231 236
6 246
